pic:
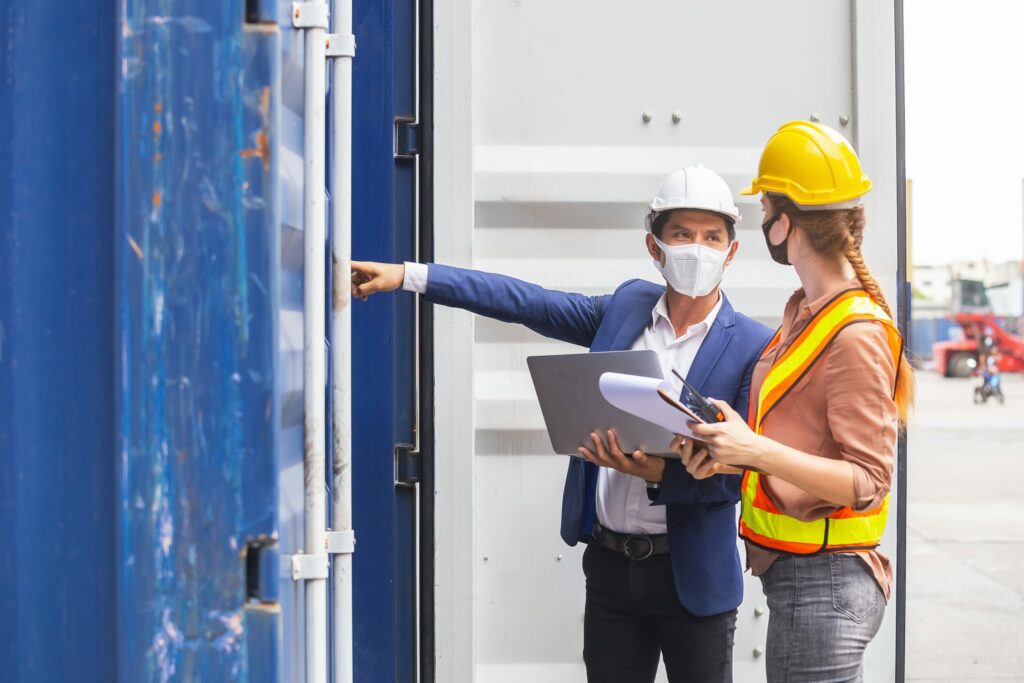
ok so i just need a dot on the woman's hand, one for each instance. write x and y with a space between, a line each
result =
696 458
640 465
731 442
369 278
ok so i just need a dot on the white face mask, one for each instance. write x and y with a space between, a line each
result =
692 269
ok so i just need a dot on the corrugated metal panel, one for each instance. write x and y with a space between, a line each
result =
57 342
563 166
197 246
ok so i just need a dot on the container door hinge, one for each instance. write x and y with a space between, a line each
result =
407 137
407 465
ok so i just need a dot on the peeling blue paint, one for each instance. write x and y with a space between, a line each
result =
198 217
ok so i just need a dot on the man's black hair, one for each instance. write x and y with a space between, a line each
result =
659 224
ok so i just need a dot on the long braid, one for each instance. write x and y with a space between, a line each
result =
867 280
855 236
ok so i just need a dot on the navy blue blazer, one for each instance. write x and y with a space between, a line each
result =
701 515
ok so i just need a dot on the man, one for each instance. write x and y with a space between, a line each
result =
662 569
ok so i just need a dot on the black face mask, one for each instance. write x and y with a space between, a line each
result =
779 252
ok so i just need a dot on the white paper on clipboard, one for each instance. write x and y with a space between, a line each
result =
639 396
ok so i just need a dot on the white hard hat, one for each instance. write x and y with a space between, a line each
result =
693 187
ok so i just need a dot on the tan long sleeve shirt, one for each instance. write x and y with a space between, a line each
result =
841 409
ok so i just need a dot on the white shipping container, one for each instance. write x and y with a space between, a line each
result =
543 165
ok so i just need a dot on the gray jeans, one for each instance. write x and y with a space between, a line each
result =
824 610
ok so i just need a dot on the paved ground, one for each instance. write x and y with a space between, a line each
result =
965 570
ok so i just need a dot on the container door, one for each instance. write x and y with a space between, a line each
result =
384 345
197 301
564 161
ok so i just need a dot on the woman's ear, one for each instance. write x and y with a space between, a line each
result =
785 222
780 230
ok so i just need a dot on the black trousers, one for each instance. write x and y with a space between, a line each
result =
633 615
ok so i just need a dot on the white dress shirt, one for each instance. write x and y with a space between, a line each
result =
622 502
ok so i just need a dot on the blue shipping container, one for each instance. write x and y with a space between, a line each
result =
149 282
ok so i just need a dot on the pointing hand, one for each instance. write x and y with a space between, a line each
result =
369 277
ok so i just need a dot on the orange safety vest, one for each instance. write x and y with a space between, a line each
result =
845 530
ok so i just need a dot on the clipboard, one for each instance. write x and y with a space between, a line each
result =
648 399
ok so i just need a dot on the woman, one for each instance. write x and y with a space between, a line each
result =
827 398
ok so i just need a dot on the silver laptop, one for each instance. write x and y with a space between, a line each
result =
572 405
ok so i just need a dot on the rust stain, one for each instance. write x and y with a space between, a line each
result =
159 106
262 148
156 127
135 247
158 157
156 199
263 142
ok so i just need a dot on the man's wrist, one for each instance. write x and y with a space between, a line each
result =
654 478
414 277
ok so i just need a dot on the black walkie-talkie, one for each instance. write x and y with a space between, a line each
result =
703 407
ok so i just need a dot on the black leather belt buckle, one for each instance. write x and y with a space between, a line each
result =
634 547
638 547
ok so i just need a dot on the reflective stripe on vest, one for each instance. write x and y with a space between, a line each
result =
845 530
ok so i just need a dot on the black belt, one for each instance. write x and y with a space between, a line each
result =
633 546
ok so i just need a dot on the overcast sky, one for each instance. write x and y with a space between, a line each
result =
965 128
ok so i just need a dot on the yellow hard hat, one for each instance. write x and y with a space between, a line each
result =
812 164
